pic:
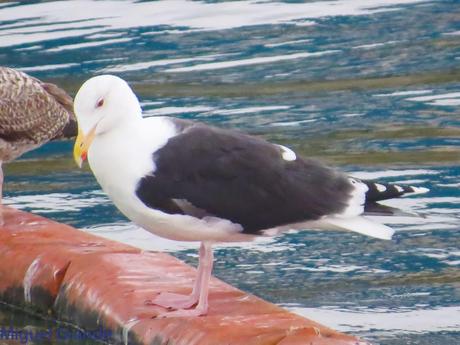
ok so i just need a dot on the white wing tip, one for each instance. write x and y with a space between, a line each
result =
418 190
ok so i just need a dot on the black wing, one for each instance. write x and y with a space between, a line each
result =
241 178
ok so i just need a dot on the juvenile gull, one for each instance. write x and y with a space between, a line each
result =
31 113
187 181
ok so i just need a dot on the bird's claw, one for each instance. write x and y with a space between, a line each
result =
198 311
174 301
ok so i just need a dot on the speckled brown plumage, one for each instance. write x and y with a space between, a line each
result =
31 113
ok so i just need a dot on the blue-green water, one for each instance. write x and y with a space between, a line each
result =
370 85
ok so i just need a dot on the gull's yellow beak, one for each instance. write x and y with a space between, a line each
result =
82 144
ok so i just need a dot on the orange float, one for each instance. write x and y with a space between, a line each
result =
103 287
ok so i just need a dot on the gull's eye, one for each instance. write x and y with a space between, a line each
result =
100 103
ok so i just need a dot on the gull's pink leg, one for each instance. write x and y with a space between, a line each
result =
179 301
202 284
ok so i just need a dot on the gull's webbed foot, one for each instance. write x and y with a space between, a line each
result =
174 300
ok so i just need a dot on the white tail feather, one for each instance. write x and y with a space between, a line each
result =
358 224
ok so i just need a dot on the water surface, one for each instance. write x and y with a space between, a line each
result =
370 86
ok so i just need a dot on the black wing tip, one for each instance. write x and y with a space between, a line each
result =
382 191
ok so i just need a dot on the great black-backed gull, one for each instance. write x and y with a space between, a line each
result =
187 181
31 113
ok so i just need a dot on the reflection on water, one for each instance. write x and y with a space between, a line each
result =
371 86
387 320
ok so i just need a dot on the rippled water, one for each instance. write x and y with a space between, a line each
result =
372 86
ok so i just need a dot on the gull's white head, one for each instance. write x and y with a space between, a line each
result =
102 104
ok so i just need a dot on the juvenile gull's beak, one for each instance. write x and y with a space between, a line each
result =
82 144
